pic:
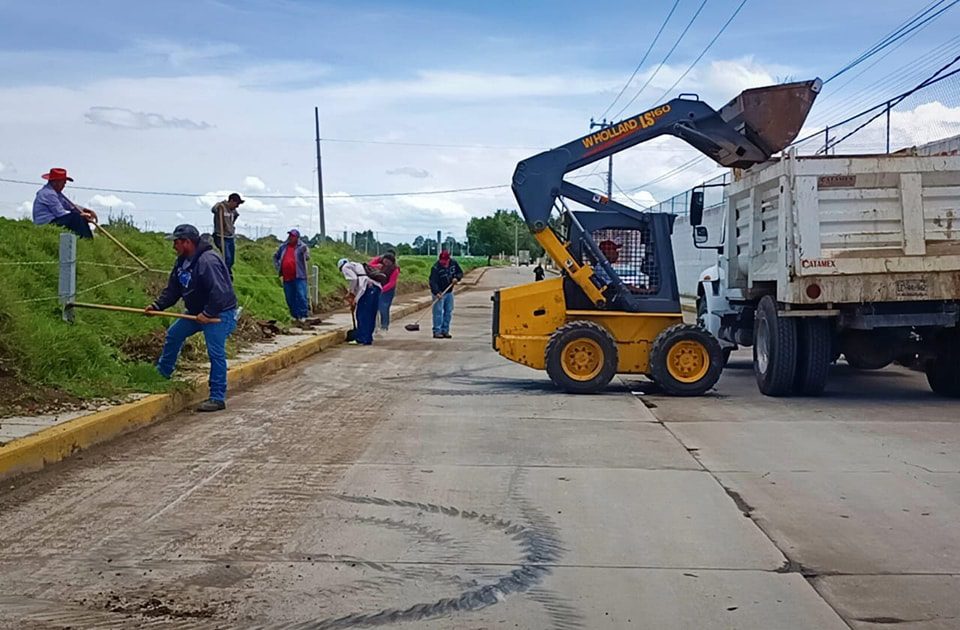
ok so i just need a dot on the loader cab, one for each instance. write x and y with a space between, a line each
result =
641 254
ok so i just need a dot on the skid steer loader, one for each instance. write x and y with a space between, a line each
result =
616 306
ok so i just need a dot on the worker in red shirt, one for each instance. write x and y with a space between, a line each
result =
291 264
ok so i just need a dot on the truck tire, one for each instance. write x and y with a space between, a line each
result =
943 372
685 360
774 349
868 349
581 357
814 355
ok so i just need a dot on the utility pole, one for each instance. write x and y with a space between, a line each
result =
323 223
606 125
516 242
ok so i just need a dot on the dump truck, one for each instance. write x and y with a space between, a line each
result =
616 306
827 256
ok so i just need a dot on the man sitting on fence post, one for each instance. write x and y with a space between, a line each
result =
52 206
201 279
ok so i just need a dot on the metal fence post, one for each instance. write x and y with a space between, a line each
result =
68 274
315 286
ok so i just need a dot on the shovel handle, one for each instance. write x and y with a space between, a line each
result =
121 246
138 311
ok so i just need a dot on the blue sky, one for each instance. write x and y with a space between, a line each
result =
208 97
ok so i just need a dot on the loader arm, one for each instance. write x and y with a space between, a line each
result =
746 131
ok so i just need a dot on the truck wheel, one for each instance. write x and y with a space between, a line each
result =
581 357
943 372
685 360
814 354
774 349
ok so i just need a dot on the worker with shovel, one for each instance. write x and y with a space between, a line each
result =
52 206
363 295
224 229
201 279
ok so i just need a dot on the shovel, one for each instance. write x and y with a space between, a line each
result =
352 333
415 326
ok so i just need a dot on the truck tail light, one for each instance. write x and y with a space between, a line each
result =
813 291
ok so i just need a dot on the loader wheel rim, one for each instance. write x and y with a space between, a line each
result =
582 359
688 361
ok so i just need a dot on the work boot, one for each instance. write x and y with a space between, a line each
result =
446 335
438 335
212 405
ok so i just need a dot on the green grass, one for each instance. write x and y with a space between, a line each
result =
101 354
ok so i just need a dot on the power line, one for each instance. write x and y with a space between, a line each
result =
160 193
702 53
664 61
433 145
911 25
642 60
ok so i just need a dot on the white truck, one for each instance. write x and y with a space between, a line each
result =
827 255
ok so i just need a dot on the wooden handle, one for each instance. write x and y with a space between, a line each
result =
122 246
139 311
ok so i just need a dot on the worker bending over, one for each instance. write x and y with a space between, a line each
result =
201 279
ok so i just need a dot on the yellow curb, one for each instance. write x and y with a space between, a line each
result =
53 444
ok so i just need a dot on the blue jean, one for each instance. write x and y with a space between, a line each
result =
228 247
386 300
215 336
297 300
442 314
367 314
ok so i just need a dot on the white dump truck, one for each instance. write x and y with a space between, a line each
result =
824 256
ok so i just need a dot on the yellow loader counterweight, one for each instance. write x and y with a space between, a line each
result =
616 307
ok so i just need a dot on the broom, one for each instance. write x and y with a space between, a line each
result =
352 333
415 326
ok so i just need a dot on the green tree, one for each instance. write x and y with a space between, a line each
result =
503 231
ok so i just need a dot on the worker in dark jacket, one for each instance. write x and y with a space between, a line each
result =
290 261
201 279
445 273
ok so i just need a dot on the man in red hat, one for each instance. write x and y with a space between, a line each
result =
52 206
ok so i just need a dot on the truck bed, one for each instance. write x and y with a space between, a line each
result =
862 228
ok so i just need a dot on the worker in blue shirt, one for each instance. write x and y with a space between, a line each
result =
52 206
201 279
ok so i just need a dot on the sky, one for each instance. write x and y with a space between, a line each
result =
209 97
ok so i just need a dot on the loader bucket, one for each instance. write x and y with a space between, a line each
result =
771 117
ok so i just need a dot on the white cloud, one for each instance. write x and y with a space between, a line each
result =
252 183
300 202
409 171
110 202
179 54
123 118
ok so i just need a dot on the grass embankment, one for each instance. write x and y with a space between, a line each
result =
45 360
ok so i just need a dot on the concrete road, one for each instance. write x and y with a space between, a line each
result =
425 483
859 488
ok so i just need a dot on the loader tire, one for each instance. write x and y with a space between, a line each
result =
685 360
814 354
943 372
581 357
774 349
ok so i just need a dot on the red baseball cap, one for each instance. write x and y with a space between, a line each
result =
57 174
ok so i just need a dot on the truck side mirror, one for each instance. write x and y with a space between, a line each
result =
700 235
696 207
